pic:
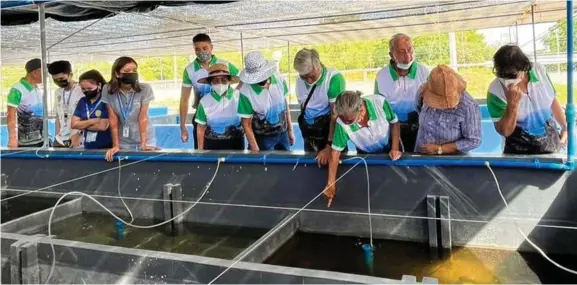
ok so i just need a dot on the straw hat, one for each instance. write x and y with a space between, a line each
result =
443 89
256 68
219 69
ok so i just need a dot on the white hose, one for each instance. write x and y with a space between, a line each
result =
521 231
368 197
120 195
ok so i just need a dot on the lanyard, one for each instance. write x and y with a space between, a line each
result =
88 112
64 101
125 112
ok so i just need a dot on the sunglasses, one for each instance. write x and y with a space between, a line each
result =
263 83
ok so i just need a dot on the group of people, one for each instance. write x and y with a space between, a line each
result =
412 109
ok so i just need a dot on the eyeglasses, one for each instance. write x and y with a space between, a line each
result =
263 83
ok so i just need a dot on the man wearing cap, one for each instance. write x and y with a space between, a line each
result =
317 89
25 109
67 97
263 105
192 73
219 126
399 83
449 119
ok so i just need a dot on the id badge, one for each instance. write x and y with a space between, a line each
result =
91 137
125 132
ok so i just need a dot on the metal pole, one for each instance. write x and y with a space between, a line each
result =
570 109
41 18
558 52
175 70
453 51
242 49
516 33
288 62
534 37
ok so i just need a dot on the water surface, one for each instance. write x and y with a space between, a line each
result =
198 239
393 259
25 205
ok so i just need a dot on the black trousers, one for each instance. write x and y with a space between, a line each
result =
314 144
194 125
230 144
387 149
40 144
408 136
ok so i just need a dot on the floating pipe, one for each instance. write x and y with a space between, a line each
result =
369 254
119 230
409 161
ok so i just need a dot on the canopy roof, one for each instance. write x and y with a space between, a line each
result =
137 30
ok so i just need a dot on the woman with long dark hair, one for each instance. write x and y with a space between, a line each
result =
128 100
91 115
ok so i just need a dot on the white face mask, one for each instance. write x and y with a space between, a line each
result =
405 66
220 88
510 82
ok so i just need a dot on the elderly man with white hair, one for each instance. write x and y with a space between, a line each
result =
399 83
317 89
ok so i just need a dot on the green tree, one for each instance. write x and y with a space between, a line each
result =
551 39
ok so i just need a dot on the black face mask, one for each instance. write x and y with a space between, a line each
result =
91 94
128 78
61 82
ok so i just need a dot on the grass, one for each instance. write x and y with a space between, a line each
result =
478 80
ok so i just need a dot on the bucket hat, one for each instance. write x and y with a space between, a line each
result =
256 68
444 88
218 69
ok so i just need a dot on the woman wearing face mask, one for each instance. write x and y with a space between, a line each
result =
523 104
127 101
91 115
367 121
263 105
219 125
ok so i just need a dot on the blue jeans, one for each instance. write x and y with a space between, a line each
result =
274 142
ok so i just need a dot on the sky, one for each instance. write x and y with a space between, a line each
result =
500 36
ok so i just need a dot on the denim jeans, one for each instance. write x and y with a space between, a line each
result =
274 142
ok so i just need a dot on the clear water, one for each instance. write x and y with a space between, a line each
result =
197 239
393 259
25 205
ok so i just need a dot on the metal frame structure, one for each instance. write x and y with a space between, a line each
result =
374 21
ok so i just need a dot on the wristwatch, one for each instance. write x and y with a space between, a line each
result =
330 143
440 150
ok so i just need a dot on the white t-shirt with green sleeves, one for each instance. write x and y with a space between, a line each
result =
373 138
29 109
265 104
219 114
194 72
534 108
400 91
329 86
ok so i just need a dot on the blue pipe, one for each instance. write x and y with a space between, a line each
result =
412 161
13 4
570 109
119 230
369 254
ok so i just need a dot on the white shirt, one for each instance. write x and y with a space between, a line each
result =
65 105
400 91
